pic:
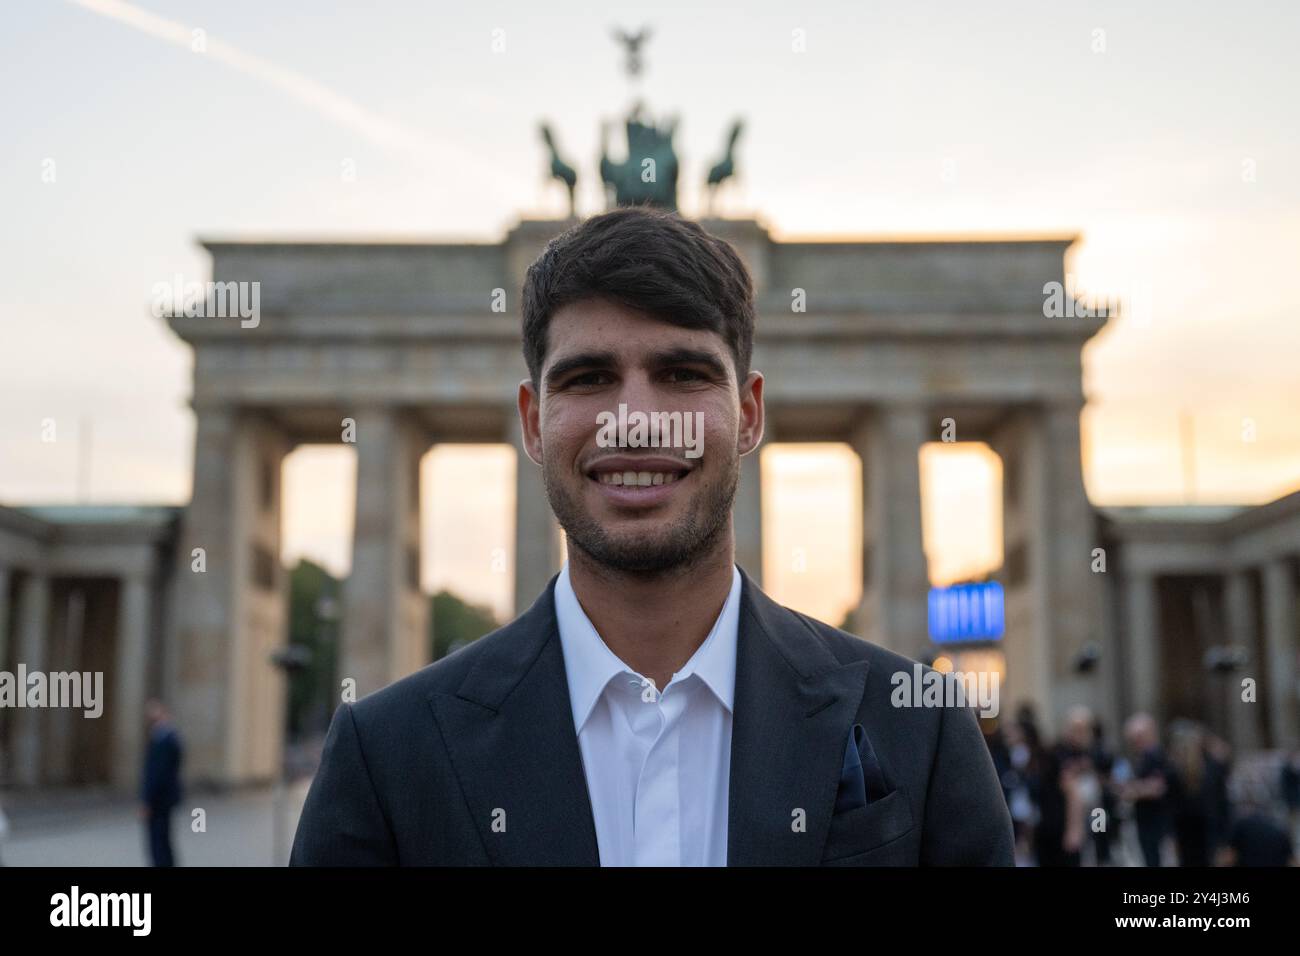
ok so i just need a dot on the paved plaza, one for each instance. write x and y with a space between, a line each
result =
61 829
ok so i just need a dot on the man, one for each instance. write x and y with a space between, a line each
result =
161 788
1257 839
1148 790
654 706
1071 790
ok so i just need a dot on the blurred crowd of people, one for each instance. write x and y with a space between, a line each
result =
1170 796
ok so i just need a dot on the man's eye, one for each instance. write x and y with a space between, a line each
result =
685 375
589 378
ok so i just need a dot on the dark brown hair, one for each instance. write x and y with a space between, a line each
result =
647 259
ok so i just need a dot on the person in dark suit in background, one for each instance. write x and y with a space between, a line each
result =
1104 762
1149 787
160 790
1198 805
653 706
1256 838
1070 792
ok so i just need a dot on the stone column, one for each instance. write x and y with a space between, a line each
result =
32 636
1114 703
130 667
1053 599
67 628
207 597
1281 642
537 534
896 574
209 586
385 614
748 510
1240 612
1019 445
5 577
231 605
1142 642
1064 541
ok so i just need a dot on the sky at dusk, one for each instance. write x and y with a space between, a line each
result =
1163 134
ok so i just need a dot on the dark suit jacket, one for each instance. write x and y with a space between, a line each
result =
161 785
426 771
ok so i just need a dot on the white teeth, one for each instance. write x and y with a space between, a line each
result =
639 479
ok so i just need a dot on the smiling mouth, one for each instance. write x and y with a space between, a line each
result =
641 479
645 475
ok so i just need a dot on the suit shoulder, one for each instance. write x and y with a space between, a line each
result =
847 647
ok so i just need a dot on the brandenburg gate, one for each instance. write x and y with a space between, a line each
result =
393 347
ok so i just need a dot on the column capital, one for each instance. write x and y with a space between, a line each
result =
1141 576
900 418
37 576
1279 564
136 577
900 406
1067 414
1239 573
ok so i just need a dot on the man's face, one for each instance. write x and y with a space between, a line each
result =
1078 731
1141 736
639 508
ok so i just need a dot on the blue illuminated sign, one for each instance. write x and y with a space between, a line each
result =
967 612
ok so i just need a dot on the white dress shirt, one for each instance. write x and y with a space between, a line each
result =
658 765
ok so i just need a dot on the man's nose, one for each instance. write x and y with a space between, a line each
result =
639 394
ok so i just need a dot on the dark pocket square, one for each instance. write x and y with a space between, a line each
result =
861 779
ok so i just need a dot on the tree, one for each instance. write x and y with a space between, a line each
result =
313 624
453 623
315 609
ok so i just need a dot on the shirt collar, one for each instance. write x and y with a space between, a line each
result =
589 664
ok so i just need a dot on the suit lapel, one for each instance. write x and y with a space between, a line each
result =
510 735
794 706
509 731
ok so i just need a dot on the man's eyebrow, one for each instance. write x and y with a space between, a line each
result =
563 366
687 356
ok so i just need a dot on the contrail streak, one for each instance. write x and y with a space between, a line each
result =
334 106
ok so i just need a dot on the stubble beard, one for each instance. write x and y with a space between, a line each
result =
675 548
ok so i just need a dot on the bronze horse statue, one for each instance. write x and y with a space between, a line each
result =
559 168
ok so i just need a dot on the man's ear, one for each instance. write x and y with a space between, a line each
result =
751 414
530 420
